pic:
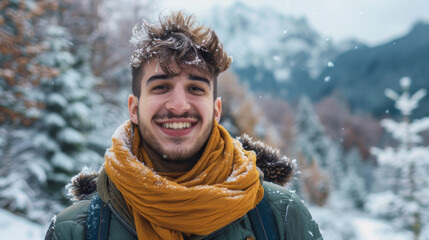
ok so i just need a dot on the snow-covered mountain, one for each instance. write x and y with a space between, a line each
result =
270 49
285 57
361 74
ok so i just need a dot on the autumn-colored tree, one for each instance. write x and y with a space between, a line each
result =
281 116
241 113
19 73
315 181
352 130
238 109
100 32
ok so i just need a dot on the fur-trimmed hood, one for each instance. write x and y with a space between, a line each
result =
275 168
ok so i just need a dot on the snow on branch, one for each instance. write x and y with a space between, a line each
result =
404 102
401 131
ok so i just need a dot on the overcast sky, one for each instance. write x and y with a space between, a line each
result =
372 21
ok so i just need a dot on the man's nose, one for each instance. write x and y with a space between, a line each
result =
178 102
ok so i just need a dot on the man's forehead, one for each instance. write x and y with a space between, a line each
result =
152 67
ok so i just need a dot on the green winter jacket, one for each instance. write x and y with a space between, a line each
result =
293 220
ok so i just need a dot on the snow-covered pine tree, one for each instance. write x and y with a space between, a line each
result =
21 173
410 159
61 137
336 166
311 148
310 139
352 184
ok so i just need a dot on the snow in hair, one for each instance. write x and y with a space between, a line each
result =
177 39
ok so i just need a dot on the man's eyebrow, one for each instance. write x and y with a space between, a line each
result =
165 77
157 77
198 78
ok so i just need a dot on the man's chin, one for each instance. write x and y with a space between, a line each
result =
177 156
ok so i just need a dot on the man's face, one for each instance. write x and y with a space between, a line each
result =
175 114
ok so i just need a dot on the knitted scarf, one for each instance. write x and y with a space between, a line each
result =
222 186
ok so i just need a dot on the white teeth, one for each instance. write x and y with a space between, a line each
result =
177 125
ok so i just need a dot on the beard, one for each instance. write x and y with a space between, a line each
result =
179 152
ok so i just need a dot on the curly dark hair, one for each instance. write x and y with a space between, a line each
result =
176 41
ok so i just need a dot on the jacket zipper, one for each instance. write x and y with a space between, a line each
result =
122 221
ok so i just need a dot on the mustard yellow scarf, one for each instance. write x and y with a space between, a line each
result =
221 187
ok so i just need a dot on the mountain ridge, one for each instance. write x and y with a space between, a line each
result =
362 75
285 57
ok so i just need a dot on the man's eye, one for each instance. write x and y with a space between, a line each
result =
160 88
196 90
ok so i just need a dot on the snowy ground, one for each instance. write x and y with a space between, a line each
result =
15 227
371 229
354 225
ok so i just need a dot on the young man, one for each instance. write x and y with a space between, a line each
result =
173 172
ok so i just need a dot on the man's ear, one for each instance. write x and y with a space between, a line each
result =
217 109
133 105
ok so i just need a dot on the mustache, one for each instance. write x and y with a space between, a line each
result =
168 114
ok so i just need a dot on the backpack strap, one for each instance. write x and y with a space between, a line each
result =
263 222
98 220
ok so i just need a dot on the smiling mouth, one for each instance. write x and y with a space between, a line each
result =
177 125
